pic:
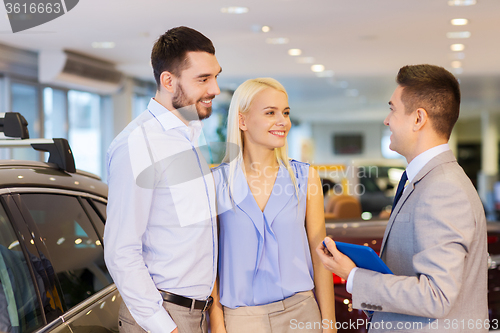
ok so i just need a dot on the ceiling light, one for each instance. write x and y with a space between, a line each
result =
458 34
317 68
266 28
459 21
294 52
461 2
103 45
305 60
456 64
234 10
457 47
279 40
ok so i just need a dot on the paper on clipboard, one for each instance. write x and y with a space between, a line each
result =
363 257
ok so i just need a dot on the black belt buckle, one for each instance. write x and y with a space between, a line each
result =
208 303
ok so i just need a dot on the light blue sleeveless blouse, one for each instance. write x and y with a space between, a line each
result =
264 257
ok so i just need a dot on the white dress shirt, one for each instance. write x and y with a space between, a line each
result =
412 170
161 217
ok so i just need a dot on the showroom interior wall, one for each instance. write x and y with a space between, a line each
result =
87 118
310 140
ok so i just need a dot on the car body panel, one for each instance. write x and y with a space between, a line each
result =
22 185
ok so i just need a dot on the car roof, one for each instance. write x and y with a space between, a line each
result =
18 174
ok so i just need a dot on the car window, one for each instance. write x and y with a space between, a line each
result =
75 250
19 306
101 207
98 222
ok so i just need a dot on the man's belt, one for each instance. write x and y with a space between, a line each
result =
186 302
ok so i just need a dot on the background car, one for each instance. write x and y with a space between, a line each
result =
369 185
52 271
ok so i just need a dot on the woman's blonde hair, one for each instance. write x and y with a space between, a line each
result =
240 103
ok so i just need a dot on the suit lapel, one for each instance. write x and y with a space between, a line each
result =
445 157
402 200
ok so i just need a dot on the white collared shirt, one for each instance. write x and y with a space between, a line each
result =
412 170
161 217
421 160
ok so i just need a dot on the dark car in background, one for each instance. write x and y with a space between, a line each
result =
52 271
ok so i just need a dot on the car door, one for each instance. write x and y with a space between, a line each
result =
20 302
67 231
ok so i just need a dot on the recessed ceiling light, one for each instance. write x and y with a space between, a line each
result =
266 28
461 2
234 10
279 40
457 47
317 68
103 45
295 52
305 60
458 34
459 21
456 64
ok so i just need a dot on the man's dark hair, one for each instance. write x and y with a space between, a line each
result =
169 51
434 89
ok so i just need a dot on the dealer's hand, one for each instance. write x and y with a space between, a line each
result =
334 260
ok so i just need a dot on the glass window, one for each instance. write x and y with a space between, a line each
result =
19 306
25 101
55 115
75 250
386 141
4 100
84 130
98 223
139 104
101 207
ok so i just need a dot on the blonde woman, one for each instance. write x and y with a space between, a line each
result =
271 218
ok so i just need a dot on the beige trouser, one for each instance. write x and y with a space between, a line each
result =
187 321
298 313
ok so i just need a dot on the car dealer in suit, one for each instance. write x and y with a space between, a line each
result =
435 242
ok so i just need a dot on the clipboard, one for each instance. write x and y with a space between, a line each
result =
363 257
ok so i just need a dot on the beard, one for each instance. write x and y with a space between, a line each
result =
188 109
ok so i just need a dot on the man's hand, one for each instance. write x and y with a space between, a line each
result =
175 331
334 260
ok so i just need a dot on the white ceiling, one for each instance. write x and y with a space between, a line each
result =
364 42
